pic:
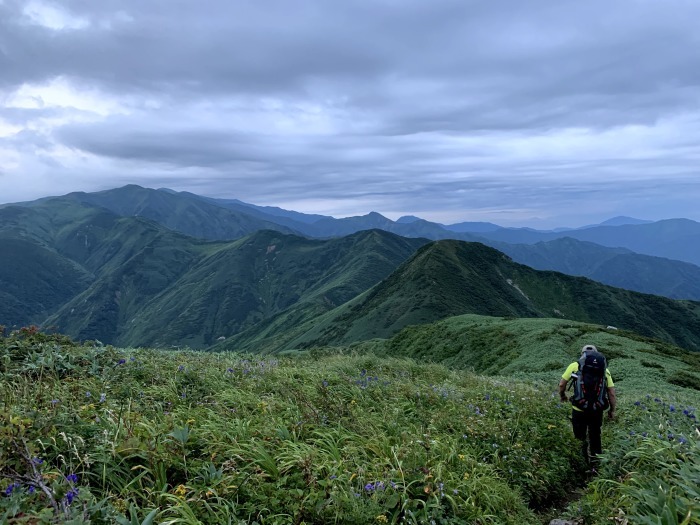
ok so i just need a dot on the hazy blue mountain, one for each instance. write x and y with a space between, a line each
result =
614 266
622 220
331 227
297 217
407 219
472 227
673 238
293 220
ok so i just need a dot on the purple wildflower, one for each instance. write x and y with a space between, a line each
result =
72 478
121 361
70 495
11 488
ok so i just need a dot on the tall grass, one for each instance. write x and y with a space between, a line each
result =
103 435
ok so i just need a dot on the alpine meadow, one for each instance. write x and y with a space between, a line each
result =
169 358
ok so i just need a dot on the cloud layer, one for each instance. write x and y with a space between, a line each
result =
542 113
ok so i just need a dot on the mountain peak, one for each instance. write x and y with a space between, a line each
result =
622 220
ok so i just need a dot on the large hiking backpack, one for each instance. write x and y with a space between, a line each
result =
589 383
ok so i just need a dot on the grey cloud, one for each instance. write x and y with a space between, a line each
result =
398 81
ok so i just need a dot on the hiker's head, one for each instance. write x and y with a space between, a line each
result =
588 348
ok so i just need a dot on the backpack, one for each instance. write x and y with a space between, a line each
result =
590 383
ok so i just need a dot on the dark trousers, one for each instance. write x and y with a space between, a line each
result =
587 427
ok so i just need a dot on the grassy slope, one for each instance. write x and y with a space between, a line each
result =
37 275
329 438
540 349
134 260
35 281
367 258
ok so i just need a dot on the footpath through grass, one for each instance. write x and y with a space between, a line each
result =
101 435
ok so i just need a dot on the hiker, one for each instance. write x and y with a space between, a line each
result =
594 392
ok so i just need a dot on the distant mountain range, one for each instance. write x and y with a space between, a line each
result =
621 241
136 266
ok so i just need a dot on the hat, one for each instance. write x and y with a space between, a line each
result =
588 348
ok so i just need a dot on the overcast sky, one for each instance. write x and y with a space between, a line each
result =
537 113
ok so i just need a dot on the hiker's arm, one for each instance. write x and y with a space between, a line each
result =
562 390
613 401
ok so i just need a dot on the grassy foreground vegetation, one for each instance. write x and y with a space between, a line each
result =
92 434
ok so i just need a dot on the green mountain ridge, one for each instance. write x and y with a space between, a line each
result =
185 213
230 219
253 279
447 278
174 290
129 280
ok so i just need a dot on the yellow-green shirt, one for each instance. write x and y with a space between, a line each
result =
573 367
